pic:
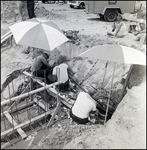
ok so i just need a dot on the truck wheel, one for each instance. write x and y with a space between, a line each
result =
71 6
110 15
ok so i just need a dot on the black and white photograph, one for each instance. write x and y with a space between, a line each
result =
73 74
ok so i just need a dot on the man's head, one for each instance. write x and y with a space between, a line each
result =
46 55
91 89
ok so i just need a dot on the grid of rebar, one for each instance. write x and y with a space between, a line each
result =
21 111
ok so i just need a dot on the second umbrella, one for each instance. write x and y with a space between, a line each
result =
38 33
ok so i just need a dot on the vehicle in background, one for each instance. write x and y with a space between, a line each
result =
109 9
53 2
78 4
49 2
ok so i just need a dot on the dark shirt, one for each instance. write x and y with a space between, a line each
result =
38 63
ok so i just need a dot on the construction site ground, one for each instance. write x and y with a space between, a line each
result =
127 127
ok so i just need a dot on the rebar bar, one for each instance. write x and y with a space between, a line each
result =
110 92
28 93
4 118
14 102
10 103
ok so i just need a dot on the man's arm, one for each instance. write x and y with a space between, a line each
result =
45 62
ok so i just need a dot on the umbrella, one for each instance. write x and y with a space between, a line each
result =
38 33
117 54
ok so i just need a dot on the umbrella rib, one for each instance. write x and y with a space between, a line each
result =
58 33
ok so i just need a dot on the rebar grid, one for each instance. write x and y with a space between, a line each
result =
20 115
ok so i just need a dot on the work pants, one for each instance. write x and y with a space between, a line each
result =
77 119
30 6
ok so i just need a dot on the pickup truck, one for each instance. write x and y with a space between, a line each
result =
109 9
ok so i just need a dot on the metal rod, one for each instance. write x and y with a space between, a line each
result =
6 37
23 124
45 84
18 108
28 111
3 117
44 94
11 108
14 102
18 99
110 93
28 94
105 73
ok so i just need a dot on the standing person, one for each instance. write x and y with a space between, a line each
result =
30 6
84 108
40 66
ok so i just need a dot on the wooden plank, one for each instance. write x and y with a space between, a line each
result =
19 108
6 37
54 114
12 121
39 103
5 145
24 124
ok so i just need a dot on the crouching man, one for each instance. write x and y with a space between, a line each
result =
84 109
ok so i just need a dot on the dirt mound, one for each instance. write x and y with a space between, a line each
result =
121 130
16 11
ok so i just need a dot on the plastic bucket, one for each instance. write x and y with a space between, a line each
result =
101 116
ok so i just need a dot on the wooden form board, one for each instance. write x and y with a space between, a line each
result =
24 124
12 121
40 104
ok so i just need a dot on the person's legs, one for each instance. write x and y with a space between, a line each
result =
64 86
77 119
30 6
41 73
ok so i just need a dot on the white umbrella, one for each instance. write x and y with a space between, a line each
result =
38 33
115 53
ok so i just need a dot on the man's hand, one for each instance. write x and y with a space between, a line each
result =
93 120
92 116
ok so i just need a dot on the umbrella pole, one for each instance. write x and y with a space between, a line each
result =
104 73
110 93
